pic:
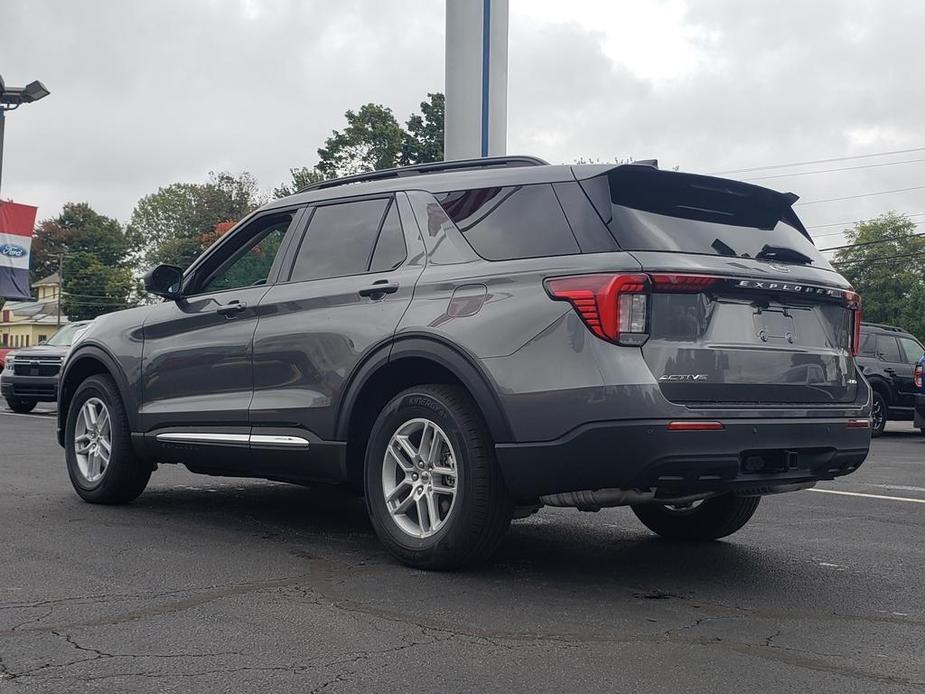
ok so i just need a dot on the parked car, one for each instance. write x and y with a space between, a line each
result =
464 342
30 374
887 359
917 378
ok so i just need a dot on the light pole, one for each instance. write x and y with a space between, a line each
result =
12 98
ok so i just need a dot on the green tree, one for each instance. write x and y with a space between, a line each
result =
301 177
98 257
372 140
176 223
882 264
422 140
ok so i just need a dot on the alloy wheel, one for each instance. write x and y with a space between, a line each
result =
93 440
420 477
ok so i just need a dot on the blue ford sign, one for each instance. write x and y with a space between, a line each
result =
11 250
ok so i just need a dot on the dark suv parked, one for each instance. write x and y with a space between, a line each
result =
887 359
467 341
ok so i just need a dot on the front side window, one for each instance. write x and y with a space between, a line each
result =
340 240
888 349
249 264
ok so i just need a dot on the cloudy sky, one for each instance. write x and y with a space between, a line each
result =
149 92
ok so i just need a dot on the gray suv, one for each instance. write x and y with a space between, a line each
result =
464 342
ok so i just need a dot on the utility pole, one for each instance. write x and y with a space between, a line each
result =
60 284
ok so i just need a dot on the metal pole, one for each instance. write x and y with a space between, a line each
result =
2 125
60 285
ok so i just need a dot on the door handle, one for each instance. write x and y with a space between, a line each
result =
231 308
890 371
379 288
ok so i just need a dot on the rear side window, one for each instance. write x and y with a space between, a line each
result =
650 210
390 249
339 240
869 345
512 222
888 349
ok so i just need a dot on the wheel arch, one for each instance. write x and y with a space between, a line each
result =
89 360
406 362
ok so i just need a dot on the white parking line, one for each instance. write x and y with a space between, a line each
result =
50 415
868 496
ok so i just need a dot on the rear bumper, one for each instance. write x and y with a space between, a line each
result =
38 388
919 417
746 454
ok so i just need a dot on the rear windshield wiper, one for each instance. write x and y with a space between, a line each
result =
783 253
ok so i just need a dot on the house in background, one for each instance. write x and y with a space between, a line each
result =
26 323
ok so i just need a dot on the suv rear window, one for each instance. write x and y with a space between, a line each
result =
511 222
666 211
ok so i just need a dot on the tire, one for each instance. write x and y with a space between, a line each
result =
472 521
710 520
878 422
21 406
124 476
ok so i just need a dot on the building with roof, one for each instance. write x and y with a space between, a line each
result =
26 323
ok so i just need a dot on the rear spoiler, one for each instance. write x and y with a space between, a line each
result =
641 186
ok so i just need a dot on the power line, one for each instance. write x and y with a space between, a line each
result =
860 195
843 231
843 168
877 260
818 161
838 224
871 243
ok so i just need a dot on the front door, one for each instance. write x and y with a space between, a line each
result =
197 371
350 281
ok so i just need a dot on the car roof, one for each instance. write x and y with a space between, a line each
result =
882 328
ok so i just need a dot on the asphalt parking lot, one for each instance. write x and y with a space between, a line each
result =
218 585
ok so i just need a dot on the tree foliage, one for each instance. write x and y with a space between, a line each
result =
373 140
885 264
98 255
175 223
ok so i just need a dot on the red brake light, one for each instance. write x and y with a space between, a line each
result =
682 283
614 307
917 376
853 301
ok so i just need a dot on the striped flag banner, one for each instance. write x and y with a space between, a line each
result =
16 225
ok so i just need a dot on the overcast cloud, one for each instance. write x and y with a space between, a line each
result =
146 93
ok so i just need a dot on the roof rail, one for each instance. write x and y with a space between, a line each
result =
883 326
432 167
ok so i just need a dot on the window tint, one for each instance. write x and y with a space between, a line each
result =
250 263
869 345
911 349
888 349
339 240
390 247
513 222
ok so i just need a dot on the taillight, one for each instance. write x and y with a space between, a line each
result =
614 307
853 301
917 376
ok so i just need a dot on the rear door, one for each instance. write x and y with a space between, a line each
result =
348 281
743 309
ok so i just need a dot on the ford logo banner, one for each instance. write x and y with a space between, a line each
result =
11 250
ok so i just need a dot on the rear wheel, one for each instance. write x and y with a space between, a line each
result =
434 492
710 519
21 406
877 415
101 463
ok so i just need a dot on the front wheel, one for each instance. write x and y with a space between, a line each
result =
101 463
710 519
21 406
434 492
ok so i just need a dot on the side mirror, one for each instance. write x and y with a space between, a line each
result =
164 280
